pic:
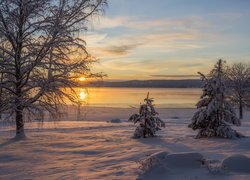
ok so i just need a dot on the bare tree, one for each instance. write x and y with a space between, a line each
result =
3 92
239 84
43 53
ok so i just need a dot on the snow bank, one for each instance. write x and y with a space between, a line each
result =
177 160
192 165
161 165
184 160
100 150
152 160
237 163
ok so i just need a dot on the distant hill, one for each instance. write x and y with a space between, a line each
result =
190 83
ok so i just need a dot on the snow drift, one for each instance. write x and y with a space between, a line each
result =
181 165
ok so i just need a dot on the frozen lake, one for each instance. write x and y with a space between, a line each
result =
127 97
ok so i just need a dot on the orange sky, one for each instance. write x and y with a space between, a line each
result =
165 39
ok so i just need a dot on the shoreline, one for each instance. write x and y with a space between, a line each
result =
101 113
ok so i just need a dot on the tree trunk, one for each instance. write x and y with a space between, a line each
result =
144 131
241 110
19 124
145 128
1 94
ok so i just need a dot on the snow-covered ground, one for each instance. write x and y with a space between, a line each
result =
102 150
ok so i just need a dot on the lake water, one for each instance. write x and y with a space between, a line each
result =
127 97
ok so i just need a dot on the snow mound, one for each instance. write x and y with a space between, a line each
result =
161 165
237 163
175 161
160 155
184 160
193 165
152 160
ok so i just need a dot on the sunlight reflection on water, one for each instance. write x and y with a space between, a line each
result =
126 97
83 95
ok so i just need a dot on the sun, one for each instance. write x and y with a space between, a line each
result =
82 79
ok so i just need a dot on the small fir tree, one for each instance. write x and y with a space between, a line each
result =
147 120
215 114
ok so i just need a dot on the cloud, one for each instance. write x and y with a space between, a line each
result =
192 64
136 23
93 39
119 49
105 22
150 35
133 65
108 47
164 47
146 47
157 67
111 50
187 76
169 76
170 41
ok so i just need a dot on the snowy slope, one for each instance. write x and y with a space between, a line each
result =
101 150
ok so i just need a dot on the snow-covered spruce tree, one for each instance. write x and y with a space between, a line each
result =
215 114
147 120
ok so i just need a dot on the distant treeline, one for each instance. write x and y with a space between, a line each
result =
149 84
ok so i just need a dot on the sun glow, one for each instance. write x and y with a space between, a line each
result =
82 79
83 95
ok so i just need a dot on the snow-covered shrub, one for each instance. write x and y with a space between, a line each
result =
147 120
213 166
215 114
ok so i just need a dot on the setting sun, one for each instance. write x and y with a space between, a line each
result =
82 79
